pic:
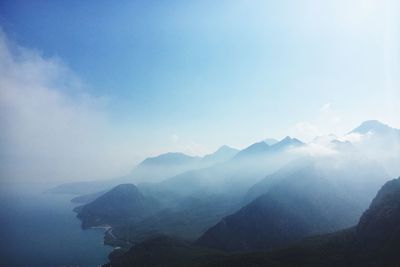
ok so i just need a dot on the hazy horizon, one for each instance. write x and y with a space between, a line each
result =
88 91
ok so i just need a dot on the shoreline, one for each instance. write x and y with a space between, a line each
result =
105 227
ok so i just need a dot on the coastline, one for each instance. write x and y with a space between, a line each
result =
105 227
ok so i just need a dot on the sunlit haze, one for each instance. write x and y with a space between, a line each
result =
89 90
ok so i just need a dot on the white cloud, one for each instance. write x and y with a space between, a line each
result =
326 108
328 115
306 130
174 138
327 121
51 128
187 146
352 137
194 148
315 150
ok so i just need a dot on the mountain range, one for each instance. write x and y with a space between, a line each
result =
150 170
372 136
236 175
266 196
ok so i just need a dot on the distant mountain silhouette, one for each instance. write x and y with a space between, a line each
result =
380 142
234 176
254 149
151 170
287 142
166 165
171 158
224 153
262 148
374 126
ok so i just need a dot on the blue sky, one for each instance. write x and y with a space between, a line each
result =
193 75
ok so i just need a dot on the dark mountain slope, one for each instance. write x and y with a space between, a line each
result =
308 196
188 220
378 231
291 210
122 203
372 243
161 251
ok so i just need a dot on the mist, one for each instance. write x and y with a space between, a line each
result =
52 130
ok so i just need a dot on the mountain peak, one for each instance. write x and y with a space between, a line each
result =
255 149
374 126
125 189
121 193
225 148
221 154
169 158
286 142
289 139
124 201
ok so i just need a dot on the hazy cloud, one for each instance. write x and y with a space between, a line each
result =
52 129
352 137
306 130
327 121
315 150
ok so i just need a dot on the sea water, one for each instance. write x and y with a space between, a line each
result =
41 229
